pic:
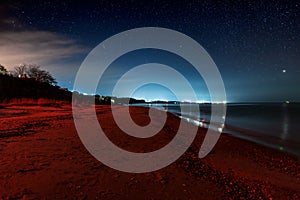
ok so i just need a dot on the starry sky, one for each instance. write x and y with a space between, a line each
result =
255 44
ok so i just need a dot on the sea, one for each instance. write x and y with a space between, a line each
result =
276 125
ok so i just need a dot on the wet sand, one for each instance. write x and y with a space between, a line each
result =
42 157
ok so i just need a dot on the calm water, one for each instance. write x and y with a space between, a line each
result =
274 125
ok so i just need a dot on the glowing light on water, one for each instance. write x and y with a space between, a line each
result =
281 148
198 123
285 124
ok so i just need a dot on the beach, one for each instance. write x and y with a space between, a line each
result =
42 157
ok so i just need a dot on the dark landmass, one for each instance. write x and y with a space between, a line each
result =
21 91
15 90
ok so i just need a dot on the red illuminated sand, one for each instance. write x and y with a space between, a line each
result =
43 157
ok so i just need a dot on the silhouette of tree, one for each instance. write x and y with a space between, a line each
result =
21 69
3 71
35 72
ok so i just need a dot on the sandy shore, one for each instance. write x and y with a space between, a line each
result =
42 157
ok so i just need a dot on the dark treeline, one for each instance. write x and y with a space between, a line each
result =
105 100
115 100
14 88
26 88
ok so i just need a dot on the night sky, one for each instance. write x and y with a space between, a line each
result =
255 44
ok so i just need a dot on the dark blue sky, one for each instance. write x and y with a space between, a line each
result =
255 44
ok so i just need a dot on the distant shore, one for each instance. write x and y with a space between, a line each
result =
42 156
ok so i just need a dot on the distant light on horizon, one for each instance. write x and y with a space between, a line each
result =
220 102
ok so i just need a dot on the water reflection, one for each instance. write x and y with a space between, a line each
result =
285 122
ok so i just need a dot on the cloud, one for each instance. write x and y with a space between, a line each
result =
38 47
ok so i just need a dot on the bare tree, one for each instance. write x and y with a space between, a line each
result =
35 72
21 69
3 71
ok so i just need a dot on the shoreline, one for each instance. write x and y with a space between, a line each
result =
247 134
262 139
42 156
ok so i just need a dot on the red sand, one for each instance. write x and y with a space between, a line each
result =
42 157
